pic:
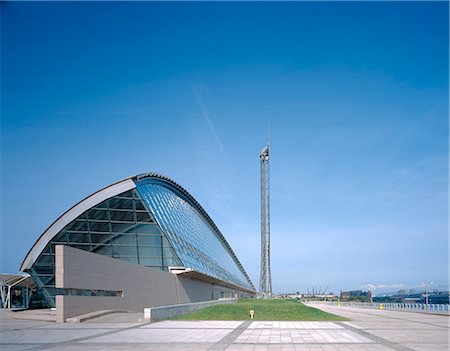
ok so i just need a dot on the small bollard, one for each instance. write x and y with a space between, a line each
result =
252 314
381 306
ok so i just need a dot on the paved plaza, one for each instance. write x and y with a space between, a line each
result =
367 330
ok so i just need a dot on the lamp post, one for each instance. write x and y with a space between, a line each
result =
427 285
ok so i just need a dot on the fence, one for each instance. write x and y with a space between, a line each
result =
413 307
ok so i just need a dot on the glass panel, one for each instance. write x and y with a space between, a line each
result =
142 217
140 206
124 239
98 215
44 260
105 250
117 203
47 279
165 242
149 251
146 261
128 193
151 240
100 238
129 259
168 252
44 269
172 262
124 250
123 227
78 238
147 229
98 226
104 204
61 237
51 291
47 250
122 216
78 225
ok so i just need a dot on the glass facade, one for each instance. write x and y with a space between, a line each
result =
196 242
157 224
119 227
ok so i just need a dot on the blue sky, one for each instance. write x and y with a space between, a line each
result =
357 98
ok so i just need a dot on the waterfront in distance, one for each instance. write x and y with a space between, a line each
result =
366 329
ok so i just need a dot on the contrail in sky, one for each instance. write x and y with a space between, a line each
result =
211 127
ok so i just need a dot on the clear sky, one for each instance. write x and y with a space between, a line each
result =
357 98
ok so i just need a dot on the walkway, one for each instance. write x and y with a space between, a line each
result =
369 330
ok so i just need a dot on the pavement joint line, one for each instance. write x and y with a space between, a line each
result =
186 328
45 346
401 319
377 339
17 329
228 339
434 313
308 343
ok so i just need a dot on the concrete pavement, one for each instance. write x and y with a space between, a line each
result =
370 330
397 330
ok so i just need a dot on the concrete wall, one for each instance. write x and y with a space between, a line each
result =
155 314
141 286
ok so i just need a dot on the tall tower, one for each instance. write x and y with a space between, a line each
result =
265 284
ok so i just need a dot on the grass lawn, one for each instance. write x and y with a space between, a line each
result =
265 310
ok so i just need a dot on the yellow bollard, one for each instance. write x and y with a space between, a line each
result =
252 313
381 306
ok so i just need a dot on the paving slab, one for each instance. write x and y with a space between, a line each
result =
368 330
399 330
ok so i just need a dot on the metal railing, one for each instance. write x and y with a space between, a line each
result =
413 307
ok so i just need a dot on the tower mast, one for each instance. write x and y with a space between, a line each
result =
265 286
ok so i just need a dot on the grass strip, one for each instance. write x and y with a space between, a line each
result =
265 310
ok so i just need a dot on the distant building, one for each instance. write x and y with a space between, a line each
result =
345 295
440 297
316 297
355 295
401 292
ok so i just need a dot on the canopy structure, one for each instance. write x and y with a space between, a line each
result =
16 290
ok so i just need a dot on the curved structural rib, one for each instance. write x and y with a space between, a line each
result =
147 219
72 213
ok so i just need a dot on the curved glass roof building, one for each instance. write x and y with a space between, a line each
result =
148 220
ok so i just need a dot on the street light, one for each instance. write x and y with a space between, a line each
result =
372 294
426 293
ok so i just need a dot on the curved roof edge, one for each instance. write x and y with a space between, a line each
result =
200 209
105 193
72 213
